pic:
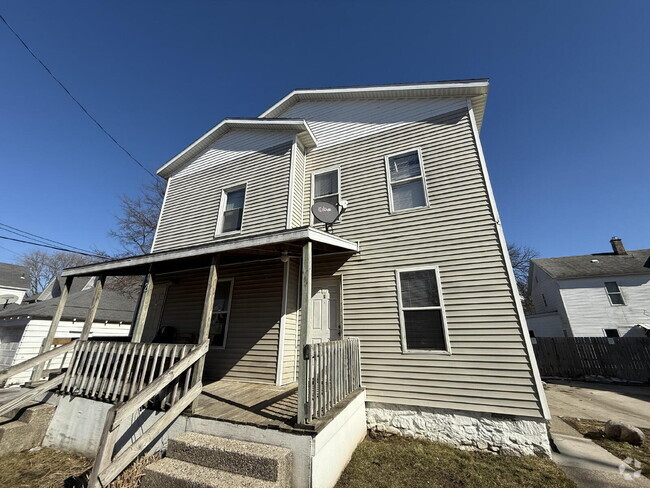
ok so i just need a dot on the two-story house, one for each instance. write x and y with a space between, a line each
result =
593 295
411 287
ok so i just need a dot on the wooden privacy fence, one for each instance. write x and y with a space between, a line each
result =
116 371
627 358
333 372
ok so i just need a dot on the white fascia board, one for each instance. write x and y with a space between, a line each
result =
297 125
304 233
378 88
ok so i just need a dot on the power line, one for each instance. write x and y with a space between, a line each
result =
74 99
53 247
28 235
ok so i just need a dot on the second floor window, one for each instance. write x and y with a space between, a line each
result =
231 210
407 187
614 293
326 187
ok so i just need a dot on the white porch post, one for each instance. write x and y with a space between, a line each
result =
143 309
305 331
47 343
92 311
204 331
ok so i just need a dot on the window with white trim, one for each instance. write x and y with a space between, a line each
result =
406 181
421 310
220 313
326 187
231 210
614 293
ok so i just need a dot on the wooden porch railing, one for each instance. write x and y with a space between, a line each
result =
115 371
333 372
109 465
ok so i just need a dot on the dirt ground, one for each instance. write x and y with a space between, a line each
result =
625 403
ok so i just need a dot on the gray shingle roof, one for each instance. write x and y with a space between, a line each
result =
14 276
606 264
113 307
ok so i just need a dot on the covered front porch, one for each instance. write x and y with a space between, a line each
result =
273 376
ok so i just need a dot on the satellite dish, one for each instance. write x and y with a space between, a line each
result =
325 212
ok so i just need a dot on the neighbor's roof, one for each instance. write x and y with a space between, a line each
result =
475 89
14 276
113 307
54 287
592 265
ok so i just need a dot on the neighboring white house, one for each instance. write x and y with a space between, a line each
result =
24 327
594 295
14 283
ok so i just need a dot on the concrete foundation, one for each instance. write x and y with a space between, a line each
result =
466 430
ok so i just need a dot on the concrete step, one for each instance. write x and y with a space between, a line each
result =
251 459
25 428
172 473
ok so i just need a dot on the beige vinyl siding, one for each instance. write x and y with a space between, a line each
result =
291 339
191 207
298 186
253 329
488 369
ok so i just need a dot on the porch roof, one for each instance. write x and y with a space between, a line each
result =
240 249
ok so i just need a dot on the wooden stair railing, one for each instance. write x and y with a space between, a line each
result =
107 466
31 363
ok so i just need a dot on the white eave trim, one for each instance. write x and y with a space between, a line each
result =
394 90
300 126
304 233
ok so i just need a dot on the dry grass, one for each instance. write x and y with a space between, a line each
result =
48 468
398 462
595 430
45 468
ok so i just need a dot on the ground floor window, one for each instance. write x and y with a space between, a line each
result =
221 313
611 333
421 309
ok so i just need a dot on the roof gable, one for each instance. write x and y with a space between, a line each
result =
14 276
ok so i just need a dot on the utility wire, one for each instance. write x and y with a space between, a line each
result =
28 235
53 247
74 99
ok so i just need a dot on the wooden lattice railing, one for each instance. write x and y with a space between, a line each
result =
115 371
333 372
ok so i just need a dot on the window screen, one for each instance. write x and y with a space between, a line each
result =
233 210
406 181
220 313
326 187
614 293
421 310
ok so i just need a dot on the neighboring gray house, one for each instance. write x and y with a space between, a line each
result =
14 283
593 295
24 327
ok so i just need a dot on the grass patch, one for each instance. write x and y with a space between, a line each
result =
48 468
398 462
595 430
45 468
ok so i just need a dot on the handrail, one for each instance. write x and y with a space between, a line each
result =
26 397
36 360
107 467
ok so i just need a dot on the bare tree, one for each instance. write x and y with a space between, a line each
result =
520 257
44 266
136 225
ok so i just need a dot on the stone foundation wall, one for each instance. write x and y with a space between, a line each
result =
501 434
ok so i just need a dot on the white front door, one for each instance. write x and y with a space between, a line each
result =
326 312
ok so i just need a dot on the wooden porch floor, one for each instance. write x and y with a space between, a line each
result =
250 403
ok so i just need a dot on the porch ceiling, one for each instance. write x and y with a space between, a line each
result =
240 249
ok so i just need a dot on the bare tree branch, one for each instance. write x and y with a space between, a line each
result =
520 257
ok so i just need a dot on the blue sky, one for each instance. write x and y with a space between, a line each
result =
565 133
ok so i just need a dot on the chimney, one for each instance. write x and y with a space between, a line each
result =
617 246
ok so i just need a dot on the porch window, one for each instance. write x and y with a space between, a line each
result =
326 187
407 187
421 309
232 210
614 293
221 313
